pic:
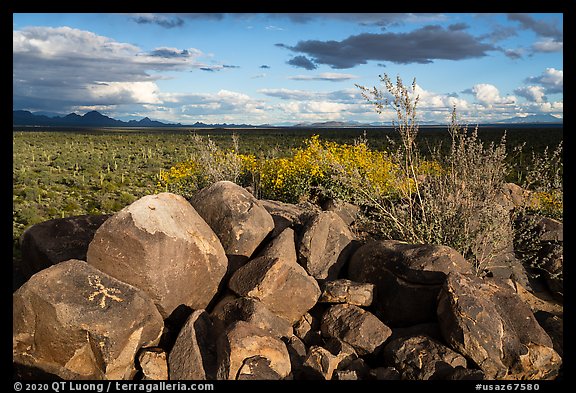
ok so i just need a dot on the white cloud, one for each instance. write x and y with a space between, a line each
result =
489 95
532 93
135 92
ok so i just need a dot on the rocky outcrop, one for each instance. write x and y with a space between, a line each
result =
161 245
75 322
159 299
287 215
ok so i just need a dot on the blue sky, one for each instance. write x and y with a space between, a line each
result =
286 68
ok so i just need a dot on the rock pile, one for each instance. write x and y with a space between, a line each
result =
226 286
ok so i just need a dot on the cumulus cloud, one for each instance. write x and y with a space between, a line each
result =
552 80
325 76
489 95
423 45
532 93
86 67
134 92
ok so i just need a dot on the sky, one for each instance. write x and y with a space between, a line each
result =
282 69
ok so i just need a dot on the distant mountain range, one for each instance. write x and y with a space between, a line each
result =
89 119
532 119
96 119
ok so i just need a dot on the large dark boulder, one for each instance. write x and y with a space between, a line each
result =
407 277
50 242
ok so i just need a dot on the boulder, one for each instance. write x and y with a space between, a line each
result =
282 246
486 321
421 358
193 355
359 367
153 364
73 321
250 310
236 216
242 341
50 242
460 373
407 277
325 245
276 280
346 291
355 326
287 215
345 375
161 245
322 362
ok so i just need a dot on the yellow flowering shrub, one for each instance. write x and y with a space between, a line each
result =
183 178
547 203
329 167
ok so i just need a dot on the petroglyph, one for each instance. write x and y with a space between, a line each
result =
95 283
